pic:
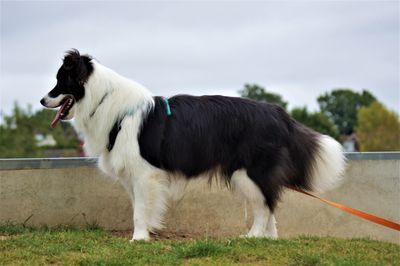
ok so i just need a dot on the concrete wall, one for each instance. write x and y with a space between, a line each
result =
80 195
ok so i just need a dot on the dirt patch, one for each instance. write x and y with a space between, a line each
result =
4 237
164 235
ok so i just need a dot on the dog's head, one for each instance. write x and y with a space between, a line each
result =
70 89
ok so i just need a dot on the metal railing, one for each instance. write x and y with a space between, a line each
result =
68 162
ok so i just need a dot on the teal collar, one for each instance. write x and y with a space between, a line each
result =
167 106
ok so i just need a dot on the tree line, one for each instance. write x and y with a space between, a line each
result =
342 112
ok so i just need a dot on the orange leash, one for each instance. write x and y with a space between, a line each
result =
364 215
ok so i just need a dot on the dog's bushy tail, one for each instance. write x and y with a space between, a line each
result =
328 165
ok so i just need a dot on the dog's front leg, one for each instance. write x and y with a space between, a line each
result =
140 222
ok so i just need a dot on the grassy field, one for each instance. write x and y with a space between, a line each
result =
67 246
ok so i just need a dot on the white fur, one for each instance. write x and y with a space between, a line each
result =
272 231
327 174
177 187
146 185
262 227
123 95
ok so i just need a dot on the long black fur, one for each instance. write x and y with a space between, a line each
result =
227 133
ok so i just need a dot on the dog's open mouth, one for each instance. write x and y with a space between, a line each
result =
66 105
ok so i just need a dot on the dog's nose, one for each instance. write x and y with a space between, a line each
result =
43 102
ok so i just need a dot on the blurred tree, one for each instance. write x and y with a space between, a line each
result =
63 133
18 131
378 128
17 138
317 121
342 105
258 93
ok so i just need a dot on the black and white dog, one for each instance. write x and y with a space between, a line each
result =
151 143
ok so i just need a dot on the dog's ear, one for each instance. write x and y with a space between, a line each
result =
78 66
71 59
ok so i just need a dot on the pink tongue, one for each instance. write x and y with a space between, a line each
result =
56 119
58 115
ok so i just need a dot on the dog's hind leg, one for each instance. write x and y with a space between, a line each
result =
272 231
264 220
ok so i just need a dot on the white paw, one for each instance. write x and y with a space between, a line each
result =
259 235
272 236
140 237
272 232
251 234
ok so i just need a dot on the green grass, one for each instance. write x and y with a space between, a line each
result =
68 246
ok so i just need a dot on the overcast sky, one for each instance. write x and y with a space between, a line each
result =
299 49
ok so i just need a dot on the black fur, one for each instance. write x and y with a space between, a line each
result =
226 133
71 76
112 136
